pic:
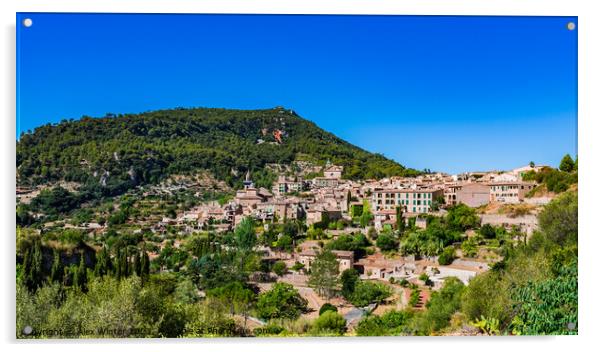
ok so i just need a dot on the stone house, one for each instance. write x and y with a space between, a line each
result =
473 194
344 258
509 192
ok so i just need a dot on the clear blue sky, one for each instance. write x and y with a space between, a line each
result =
445 93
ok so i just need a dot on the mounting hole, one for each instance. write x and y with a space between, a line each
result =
27 22
570 26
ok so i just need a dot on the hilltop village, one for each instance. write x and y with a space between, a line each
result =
332 207
366 250
331 197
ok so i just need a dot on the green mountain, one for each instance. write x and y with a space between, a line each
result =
111 154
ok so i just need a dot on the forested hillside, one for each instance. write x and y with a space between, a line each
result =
113 153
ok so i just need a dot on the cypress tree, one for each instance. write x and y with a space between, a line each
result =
82 273
56 273
26 270
348 199
124 264
67 279
137 264
102 263
399 220
144 266
36 266
117 264
75 273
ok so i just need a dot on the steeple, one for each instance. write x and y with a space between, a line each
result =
248 183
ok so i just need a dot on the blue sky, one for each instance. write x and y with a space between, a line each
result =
446 93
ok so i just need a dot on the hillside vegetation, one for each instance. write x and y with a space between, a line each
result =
111 154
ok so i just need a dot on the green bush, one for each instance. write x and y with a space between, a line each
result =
440 307
548 307
390 323
297 266
414 298
329 323
356 243
487 231
558 220
431 241
71 236
285 243
349 279
447 256
387 242
328 307
279 268
371 326
367 292
462 217
470 248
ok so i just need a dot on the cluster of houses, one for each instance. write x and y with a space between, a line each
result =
331 196
379 267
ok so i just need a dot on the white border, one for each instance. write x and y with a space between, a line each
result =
590 155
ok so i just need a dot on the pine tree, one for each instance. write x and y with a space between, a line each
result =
324 274
567 164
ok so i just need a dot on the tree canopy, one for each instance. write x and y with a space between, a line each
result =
282 301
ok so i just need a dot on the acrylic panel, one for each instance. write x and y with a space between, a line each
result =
204 175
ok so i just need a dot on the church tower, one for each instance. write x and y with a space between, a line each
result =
247 182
